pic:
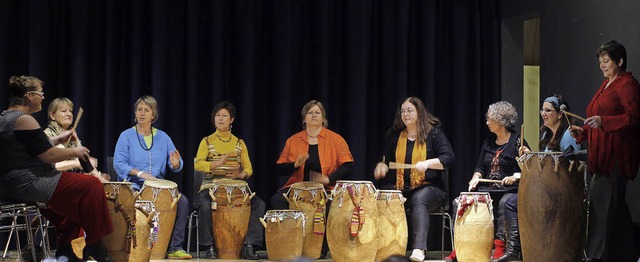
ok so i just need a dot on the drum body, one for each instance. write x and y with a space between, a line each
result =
164 195
551 214
284 233
352 221
146 231
310 198
392 224
474 228
120 202
230 213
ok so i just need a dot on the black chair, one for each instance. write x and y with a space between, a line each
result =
20 214
444 213
197 182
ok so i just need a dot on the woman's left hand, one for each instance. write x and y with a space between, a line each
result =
174 159
316 176
510 180
239 175
594 122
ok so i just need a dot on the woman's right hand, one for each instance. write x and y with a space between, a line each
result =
300 160
576 131
222 161
80 152
147 176
523 149
474 181
380 171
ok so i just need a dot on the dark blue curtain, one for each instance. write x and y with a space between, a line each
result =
361 58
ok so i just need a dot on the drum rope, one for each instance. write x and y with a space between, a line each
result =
356 193
147 209
131 225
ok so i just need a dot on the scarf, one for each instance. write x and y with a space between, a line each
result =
419 154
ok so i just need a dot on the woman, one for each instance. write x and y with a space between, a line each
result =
60 119
211 159
497 161
555 134
415 139
313 154
27 173
144 152
611 129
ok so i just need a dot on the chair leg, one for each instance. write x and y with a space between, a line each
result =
189 228
30 241
197 235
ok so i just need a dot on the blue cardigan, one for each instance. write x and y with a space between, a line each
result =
129 154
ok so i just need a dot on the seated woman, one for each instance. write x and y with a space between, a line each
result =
223 155
27 156
144 152
554 132
497 161
415 139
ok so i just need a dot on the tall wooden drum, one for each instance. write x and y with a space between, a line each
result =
284 231
147 223
352 222
474 226
164 195
120 202
551 214
230 212
310 198
392 224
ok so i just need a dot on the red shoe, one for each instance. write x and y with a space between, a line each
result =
451 257
499 248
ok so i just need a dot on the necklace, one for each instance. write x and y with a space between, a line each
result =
224 141
140 141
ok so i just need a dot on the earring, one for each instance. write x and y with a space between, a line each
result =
230 127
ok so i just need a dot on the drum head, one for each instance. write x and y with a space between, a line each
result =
354 182
307 185
161 183
116 183
230 182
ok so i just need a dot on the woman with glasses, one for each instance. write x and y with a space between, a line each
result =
416 139
554 132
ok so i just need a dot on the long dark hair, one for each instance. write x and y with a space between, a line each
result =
547 134
426 121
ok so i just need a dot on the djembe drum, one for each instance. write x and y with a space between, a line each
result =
120 202
310 198
164 195
284 233
352 222
147 223
392 224
474 226
230 213
551 214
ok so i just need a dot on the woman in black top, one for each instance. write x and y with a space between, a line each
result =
414 138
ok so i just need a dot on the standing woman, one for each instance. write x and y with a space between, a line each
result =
213 152
611 129
414 138
27 173
144 152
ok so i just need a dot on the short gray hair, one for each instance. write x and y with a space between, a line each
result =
151 103
504 113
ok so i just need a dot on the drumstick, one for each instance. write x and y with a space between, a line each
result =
80 111
395 165
489 180
563 108
521 136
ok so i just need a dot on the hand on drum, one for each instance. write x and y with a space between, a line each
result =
510 180
593 122
238 175
300 160
576 131
100 176
174 159
223 159
316 176
147 176
380 171
474 181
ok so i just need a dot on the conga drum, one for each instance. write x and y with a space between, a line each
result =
147 223
164 195
120 202
310 198
551 214
352 222
474 226
284 233
230 212
392 224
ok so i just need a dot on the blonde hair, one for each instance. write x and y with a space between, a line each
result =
56 104
149 101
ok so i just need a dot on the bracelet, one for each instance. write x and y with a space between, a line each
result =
139 173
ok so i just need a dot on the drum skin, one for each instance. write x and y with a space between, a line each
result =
551 214
166 206
343 246
231 217
474 231
392 224
117 242
308 203
284 238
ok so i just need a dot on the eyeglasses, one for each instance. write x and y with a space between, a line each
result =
37 93
408 111
546 111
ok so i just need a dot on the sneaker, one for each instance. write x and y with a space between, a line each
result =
417 255
180 254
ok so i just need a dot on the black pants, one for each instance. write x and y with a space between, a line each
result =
421 201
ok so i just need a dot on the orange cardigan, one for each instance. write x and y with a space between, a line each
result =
333 151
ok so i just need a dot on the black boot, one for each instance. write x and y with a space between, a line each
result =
247 252
514 252
97 251
210 252
65 250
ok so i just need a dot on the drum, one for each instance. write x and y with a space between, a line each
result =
352 222
310 198
392 224
474 226
147 223
120 202
284 233
551 214
164 195
230 212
